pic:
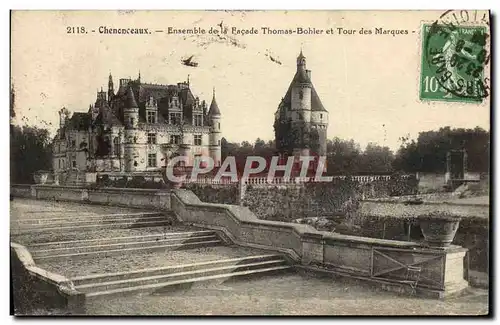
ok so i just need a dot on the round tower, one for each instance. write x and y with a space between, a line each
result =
131 133
215 132
301 92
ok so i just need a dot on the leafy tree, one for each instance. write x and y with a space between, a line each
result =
428 153
31 150
376 159
342 156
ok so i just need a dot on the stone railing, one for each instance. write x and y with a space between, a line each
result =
260 180
384 261
128 197
37 288
20 190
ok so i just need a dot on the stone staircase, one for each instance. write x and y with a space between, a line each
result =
95 248
89 223
164 279
75 178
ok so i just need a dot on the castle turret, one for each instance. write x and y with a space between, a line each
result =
301 93
131 133
301 121
111 90
215 131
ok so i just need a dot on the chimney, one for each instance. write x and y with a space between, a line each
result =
63 116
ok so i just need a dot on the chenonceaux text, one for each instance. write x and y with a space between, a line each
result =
109 30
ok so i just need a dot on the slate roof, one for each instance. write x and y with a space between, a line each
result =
79 121
214 108
301 78
131 102
163 94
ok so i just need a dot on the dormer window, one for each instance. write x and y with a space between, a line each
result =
175 118
151 117
197 120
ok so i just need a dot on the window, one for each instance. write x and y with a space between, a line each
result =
151 138
175 139
197 120
152 160
197 139
116 146
301 94
73 143
218 125
151 117
74 163
132 121
321 116
175 118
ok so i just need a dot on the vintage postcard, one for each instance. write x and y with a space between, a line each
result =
250 162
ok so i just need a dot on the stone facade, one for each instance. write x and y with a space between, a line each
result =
137 129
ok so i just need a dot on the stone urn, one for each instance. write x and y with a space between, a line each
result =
40 177
177 171
439 228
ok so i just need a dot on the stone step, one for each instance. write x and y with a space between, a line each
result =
88 217
121 225
161 286
114 240
122 245
151 248
109 277
90 222
143 281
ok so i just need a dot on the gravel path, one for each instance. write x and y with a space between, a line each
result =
287 295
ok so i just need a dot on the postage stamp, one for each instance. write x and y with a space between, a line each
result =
453 62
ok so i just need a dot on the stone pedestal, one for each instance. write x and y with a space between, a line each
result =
312 248
453 273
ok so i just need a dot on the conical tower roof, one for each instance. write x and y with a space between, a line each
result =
131 103
214 108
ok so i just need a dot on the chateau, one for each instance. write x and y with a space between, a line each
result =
137 128
301 120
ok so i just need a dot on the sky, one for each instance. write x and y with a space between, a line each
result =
368 83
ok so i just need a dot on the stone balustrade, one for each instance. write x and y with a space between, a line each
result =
387 262
383 261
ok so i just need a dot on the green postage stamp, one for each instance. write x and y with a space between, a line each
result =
453 63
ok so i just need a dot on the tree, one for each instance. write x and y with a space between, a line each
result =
31 150
342 156
376 159
12 103
428 153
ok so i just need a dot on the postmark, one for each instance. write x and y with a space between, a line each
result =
455 54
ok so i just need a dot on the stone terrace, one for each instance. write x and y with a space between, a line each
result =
282 293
